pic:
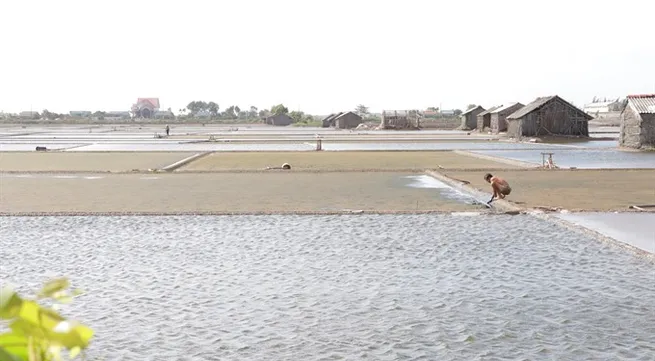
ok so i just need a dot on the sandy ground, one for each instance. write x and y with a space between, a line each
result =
87 162
331 161
268 192
591 190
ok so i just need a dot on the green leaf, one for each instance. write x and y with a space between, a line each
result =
7 356
10 303
30 311
14 344
53 286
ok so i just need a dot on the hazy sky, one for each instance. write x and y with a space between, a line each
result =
323 56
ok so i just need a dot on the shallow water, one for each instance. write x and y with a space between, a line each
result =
352 287
307 146
635 229
584 159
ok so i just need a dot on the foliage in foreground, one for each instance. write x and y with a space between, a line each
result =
39 333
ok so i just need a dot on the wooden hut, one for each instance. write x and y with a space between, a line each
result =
329 120
470 118
347 120
281 120
549 115
638 122
400 119
499 116
484 118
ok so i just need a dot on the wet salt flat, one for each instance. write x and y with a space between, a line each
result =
444 190
169 145
22 147
585 159
435 287
635 229
307 146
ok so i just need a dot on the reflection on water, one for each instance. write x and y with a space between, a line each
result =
433 287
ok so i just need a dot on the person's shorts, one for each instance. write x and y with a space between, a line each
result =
506 191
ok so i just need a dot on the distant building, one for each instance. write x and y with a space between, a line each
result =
145 107
117 114
400 119
470 117
281 120
499 116
638 122
598 108
447 112
484 118
28 114
80 113
550 115
164 114
342 120
329 120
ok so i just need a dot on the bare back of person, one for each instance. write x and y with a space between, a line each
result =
500 186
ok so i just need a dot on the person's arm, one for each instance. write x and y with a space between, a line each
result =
494 186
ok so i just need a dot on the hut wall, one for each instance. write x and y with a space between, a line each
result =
648 130
637 130
470 120
630 133
480 124
514 128
499 120
348 121
484 121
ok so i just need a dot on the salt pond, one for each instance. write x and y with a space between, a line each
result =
635 229
352 287
591 158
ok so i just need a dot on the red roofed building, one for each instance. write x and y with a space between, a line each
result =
145 107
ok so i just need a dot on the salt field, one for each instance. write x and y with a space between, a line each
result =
349 287
422 271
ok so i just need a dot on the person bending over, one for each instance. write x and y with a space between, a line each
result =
500 186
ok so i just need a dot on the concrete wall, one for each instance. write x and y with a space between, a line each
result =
637 130
499 120
484 121
648 130
514 128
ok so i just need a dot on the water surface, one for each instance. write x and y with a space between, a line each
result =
420 287
585 159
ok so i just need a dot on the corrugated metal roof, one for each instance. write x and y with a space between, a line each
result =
643 104
490 110
472 109
504 107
